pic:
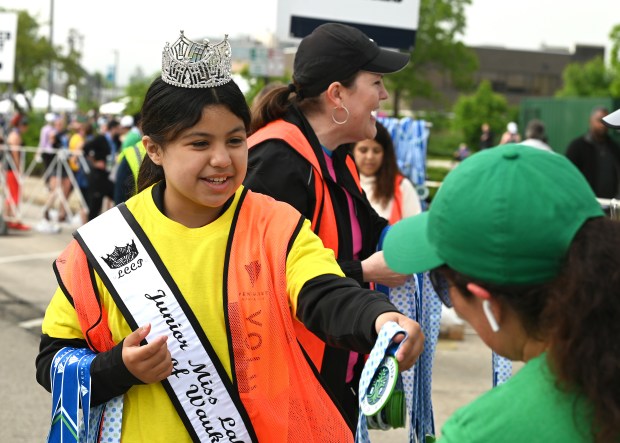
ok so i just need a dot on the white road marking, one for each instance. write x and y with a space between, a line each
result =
29 324
27 257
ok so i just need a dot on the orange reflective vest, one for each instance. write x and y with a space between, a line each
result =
397 204
277 386
323 218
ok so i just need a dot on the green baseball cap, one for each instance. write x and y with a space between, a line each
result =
505 215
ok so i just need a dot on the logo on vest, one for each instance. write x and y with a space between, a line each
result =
253 269
255 294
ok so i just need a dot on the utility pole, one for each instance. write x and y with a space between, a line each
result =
50 74
116 67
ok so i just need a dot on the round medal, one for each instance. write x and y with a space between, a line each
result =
381 386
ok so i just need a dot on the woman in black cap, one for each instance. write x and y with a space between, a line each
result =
297 155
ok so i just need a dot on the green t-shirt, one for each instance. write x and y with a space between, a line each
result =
527 408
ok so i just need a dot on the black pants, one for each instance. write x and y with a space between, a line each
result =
99 186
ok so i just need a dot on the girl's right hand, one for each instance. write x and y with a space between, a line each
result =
150 363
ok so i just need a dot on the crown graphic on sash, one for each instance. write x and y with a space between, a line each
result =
189 64
121 255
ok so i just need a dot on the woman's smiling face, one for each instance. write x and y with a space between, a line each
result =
363 101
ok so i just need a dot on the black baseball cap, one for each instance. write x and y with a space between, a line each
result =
334 52
612 120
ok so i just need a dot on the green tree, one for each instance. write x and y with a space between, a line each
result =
614 64
590 79
136 90
594 78
437 51
258 83
484 106
34 55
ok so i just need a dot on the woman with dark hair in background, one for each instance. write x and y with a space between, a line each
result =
390 193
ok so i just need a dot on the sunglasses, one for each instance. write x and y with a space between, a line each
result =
441 285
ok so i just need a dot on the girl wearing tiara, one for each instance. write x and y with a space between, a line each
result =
186 295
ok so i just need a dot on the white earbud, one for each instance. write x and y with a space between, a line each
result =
486 307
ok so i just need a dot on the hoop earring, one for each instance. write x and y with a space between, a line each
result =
346 118
486 307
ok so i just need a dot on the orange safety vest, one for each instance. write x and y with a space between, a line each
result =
323 218
284 399
397 205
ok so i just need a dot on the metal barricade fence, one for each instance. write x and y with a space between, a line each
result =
34 191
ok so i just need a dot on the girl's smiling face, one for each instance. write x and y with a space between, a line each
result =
204 166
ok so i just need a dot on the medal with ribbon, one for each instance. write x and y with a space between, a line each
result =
379 378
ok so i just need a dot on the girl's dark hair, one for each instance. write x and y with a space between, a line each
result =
577 314
275 103
583 314
386 174
168 110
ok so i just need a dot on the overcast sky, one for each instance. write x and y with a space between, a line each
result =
135 31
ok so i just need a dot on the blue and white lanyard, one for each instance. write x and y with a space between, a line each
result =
418 300
70 377
382 346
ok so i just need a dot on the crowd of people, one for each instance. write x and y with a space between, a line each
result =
595 153
83 152
277 213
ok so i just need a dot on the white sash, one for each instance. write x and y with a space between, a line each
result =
144 291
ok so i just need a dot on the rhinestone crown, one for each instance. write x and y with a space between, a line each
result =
188 64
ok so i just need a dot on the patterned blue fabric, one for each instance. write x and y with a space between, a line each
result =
418 300
410 139
502 369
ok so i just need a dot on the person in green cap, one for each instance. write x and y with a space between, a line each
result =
528 258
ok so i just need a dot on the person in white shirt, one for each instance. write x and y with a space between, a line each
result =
535 136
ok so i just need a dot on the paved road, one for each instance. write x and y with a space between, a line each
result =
26 285
462 368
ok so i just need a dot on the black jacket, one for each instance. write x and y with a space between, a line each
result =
599 162
275 169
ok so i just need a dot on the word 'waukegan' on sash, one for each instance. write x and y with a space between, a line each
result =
143 290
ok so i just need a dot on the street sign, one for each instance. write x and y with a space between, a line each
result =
391 23
8 40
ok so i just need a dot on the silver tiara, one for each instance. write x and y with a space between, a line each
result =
189 64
